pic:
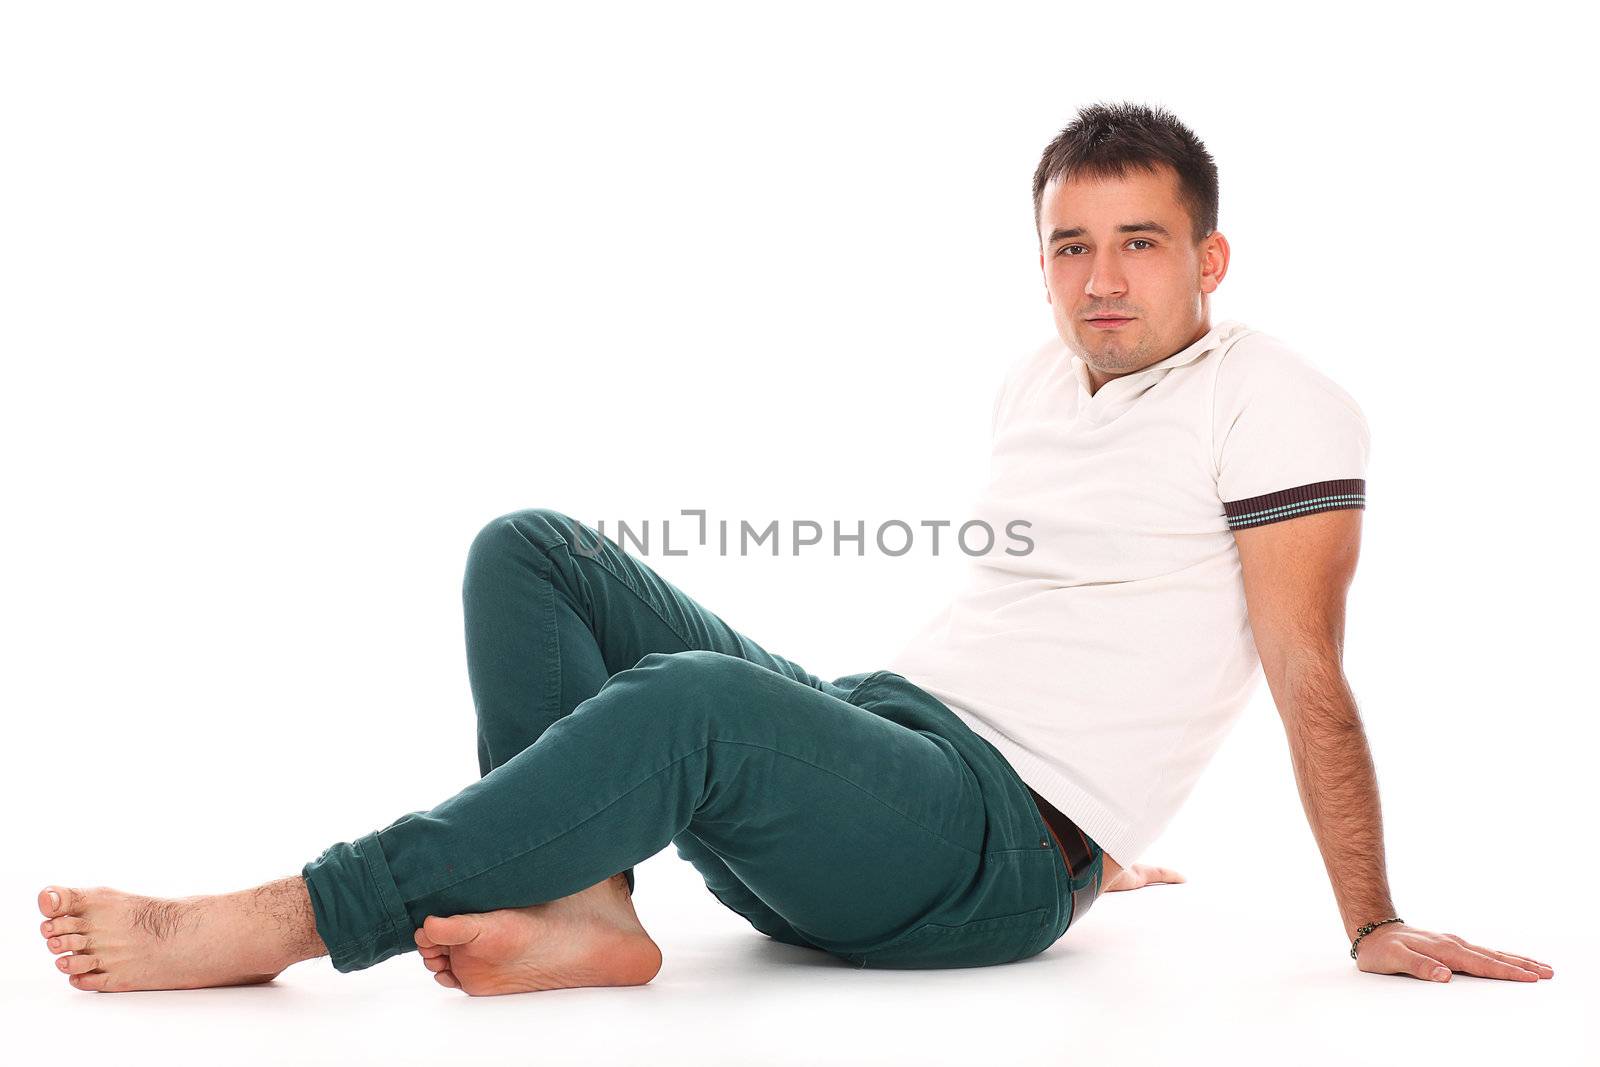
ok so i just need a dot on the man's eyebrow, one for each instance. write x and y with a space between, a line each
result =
1147 226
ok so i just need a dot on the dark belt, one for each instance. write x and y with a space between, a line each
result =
1074 846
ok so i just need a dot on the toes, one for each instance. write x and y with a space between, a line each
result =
428 952
451 930
446 979
49 903
78 963
67 924
59 900
420 936
437 963
68 943
96 981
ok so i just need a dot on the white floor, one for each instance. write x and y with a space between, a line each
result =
1192 972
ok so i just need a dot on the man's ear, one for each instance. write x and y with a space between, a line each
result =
1214 254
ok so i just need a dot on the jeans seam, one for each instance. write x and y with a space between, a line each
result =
599 561
384 888
542 568
939 931
668 767
655 609
361 942
552 633
861 684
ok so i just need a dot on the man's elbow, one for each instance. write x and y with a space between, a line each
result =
1315 694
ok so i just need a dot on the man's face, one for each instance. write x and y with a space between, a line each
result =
1122 251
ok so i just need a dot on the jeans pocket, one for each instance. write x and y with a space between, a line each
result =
978 943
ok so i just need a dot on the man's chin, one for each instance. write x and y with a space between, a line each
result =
1118 340
1115 355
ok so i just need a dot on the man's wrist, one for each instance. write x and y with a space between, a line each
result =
1358 919
1366 929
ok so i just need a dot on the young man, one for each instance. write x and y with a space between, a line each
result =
1194 494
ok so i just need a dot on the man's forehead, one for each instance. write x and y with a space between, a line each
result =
1138 194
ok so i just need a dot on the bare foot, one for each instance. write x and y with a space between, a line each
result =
115 941
591 938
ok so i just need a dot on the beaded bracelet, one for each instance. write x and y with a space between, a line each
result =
1363 931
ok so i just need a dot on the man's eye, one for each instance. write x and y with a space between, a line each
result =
1141 241
1065 249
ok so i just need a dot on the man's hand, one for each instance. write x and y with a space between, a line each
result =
1396 948
1140 875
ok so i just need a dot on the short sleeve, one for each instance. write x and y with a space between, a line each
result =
1288 440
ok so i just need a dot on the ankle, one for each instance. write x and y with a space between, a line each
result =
289 925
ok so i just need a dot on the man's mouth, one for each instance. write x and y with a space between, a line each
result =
1108 322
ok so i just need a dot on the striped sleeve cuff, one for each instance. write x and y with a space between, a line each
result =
1301 500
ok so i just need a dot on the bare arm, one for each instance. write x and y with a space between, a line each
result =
1296 576
1338 787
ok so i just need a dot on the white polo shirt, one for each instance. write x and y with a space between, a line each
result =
1108 662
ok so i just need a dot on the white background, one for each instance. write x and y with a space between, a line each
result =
294 297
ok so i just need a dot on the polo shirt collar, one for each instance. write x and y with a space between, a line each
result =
1218 333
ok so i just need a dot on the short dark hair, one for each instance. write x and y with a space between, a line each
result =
1109 140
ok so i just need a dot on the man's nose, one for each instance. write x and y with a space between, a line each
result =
1106 279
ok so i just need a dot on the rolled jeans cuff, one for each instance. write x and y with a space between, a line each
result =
358 910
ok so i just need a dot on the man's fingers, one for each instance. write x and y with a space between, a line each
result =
1462 958
1512 957
1143 874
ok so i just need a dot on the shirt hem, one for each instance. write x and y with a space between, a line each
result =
1113 834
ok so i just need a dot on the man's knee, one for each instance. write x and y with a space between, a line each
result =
518 534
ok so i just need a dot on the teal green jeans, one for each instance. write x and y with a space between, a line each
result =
858 816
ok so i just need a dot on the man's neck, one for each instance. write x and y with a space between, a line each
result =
1096 381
